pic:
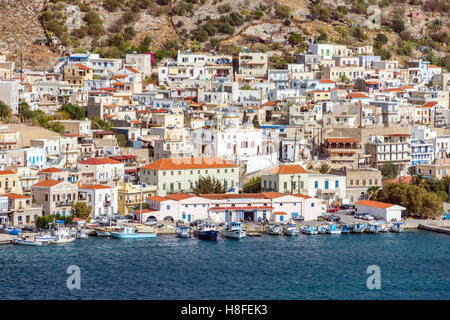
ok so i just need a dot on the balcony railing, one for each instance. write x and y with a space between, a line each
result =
65 203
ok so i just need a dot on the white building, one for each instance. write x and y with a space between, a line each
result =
380 210
102 199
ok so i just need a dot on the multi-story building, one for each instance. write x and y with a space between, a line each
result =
55 196
131 196
21 210
342 151
180 174
102 199
395 148
252 67
358 181
76 74
101 171
9 182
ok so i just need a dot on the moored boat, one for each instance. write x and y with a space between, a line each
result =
332 229
346 229
291 230
183 232
81 234
207 232
396 227
275 230
371 228
63 236
358 228
234 230
45 237
311 230
27 241
130 232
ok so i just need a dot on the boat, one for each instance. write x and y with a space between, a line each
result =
207 232
45 237
346 229
371 228
27 241
106 231
234 230
63 236
82 234
291 230
332 229
275 230
311 230
358 228
130 232
381 227
396 227
183 232
321 229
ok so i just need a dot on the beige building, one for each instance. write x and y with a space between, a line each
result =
55 196
21 210
180 174
9 182
76 74
359 180
252 66
131 196
335 73
433 171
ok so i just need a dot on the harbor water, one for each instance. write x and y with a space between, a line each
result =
413 265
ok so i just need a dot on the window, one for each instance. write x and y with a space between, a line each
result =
351 182
316 184
168 207
312 204
285 185
336 184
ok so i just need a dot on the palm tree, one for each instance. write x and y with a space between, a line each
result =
324 168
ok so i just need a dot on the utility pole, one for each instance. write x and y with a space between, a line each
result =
295 145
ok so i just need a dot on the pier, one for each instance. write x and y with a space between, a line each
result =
6 238
440 229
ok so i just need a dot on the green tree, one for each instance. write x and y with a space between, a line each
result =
255 121
245 117
25 112
45 222
5 111
283 12
253 185
206 185
324 168
295 38
389 170
75 112
121 140
82 210
372 192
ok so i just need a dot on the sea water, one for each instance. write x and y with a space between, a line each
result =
412 265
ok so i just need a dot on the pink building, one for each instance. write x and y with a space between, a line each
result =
273 206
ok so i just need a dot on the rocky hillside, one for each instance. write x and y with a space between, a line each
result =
413 28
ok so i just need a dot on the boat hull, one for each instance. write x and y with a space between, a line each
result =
207 235
236 234
333 231
120 235
291 232
184 235
103 233
63 241
27 242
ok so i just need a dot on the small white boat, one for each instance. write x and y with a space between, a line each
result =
234 230
63 236
371 228
45 237
311 230
332 229
131 233
27 241
81 234
291 230
275 230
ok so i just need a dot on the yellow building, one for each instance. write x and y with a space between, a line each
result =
76 74
9 182
130 197
8 139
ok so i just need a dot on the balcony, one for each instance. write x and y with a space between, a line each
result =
65 203
107 203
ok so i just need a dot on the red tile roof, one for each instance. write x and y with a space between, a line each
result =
404 179
189 163
4 172
242 208
99 161
132 69
356 95
429 104
280 213
95 186
48 170
179 196
47 183
83 67
342 140
158 198
272 195
375 204
286 169
15 196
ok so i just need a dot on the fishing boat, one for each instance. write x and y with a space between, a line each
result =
291 230
106 231
321 229
381 227
346 229
396 227
358 228
27 241
45 237
183 232
332 229
275 230
371 228
311 230
82 234
63 236
129 232
234 230
207 232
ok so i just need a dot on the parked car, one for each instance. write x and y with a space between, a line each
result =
335 209
299 218
359 215
367 217
335 219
